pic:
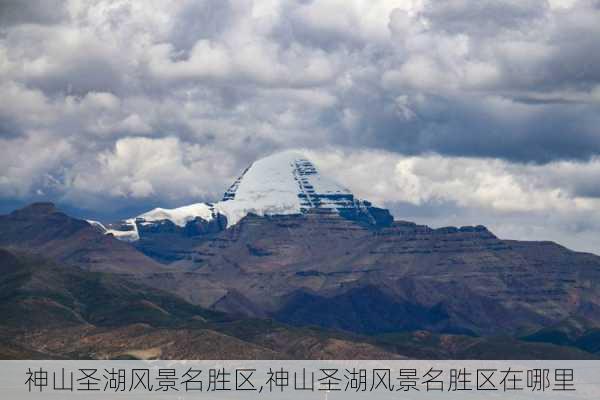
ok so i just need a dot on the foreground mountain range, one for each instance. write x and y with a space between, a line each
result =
288 265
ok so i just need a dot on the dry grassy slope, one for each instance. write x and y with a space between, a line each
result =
145 342
142 341
39 293
54 311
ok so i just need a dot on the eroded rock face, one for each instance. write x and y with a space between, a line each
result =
293 267
313 268
459 280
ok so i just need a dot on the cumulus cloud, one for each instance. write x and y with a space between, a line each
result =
13 12
556 201
101 96
485 17
140 168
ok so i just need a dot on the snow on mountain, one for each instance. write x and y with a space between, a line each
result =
179 216
130 234
126 230
97 224
283 183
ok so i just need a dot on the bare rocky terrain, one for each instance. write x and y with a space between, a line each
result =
315 285
329 271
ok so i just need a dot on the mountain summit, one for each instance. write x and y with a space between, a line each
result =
281 184
288 183
284 183
286 243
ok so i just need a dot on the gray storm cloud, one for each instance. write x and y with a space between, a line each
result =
139 103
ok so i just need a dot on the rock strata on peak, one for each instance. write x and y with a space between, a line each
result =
282 184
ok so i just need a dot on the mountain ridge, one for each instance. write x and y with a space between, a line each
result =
285 183
254 268
330 261
42 228
153 324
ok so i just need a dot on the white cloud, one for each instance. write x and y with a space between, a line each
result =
153 101
139 168
518 201
36 161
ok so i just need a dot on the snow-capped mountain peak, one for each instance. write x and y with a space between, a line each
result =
283 183
280 184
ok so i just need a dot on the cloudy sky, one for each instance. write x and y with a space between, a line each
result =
449 112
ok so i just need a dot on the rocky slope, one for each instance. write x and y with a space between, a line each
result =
43 229
311 269
329 271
